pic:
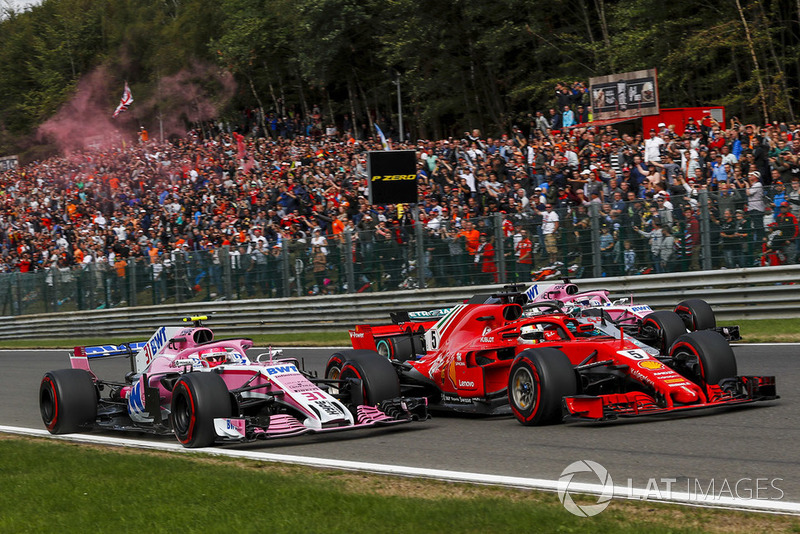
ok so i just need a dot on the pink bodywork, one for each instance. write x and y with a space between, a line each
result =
180 353
622 310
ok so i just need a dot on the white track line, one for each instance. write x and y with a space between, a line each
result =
767 506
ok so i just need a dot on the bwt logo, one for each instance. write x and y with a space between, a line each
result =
565 485
281 370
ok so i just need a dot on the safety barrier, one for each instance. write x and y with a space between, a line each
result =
757 293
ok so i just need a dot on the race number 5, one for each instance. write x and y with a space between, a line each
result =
433 343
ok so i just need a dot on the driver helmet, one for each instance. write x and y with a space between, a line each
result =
595 302
527 332
214 357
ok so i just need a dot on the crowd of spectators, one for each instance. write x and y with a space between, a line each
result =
257 192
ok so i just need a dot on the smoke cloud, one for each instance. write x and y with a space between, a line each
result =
189 96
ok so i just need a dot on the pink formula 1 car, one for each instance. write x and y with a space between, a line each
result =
204 391
659 329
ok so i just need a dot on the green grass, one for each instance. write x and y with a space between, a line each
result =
50 486
752 330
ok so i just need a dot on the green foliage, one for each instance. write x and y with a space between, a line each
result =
463 64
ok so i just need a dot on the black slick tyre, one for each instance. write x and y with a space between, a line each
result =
538 381
696 314
665 327
378 377
704 357
197 399
67 401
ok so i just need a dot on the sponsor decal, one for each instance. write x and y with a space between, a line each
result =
327 407
638 375
675 381
422 314
486 330
455 399
281 370
485 339
356 334
641 308
651 365
393 177
229 428
532 292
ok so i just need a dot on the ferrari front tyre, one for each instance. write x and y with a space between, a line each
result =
665 327
704 357
67 400
696 314
197 399
379 380
537 383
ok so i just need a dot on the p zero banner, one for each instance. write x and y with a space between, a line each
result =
392 177
629 94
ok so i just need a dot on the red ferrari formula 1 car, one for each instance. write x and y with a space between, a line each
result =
486 357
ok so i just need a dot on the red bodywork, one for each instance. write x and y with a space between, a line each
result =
468 353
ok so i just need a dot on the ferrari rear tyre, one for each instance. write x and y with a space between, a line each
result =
378 377
696 314
67 401
538 381
704 357
665 326
197 399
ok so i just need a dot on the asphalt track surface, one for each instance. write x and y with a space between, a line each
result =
756 445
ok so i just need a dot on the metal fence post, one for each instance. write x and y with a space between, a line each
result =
500 247
348 261
705 229
419 249
225 264
594 217
131 282
285 268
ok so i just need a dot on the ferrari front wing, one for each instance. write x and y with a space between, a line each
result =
731 391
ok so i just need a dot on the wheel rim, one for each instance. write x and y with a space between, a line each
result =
524 389
334 373
47 405
690 364
181 414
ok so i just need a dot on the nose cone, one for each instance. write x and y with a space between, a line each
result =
684 395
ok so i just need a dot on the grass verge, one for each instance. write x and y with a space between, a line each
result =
82 488
752 330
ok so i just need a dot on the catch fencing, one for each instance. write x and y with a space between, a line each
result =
756 293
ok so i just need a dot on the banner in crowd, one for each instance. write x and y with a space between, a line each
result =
622 95
8 162
392 176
